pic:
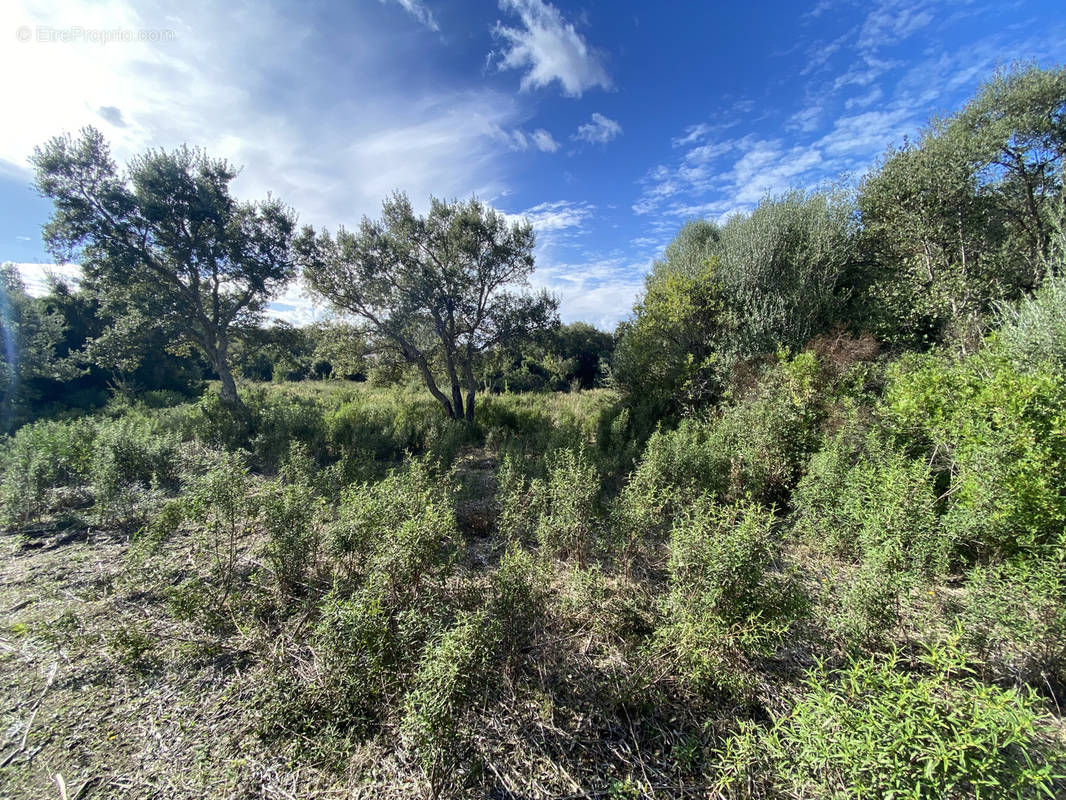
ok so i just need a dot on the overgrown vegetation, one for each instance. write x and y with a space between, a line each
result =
808 543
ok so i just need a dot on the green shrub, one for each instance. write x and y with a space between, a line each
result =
725 603
755 450
1033 334
280 420
400 532
1014 617
518 598
454 673
221 504
131 456
884 502
570 517
289 514
39 459
874 729
995 439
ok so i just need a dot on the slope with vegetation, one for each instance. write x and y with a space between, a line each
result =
807 542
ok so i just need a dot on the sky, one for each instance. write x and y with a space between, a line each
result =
607 123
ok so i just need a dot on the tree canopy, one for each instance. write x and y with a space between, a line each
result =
165 243
437 290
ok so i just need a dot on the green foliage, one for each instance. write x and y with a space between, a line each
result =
32 334
725 604
755 450
765 281
221 505
436 290
40 459
994 437
290 518
567 502
454 672
874 729
665 355
961 219
131 455
517 599
398 532
1033 334
1014 617
165 242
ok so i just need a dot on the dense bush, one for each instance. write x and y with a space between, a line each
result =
876 729
41 458
726 604
455 672
289 514
994 437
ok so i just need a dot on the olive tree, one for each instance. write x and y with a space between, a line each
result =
436 290
165 243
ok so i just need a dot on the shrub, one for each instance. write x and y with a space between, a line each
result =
289 515
131 456
221 504
401 530
518 598
884 502
754 451
873 729
280 420
453 673
1014 617
39 459
725 603
570 515
994 437
1033 334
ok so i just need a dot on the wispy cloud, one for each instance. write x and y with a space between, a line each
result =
331 152
891 21
418 10
547 49
539 139
599 130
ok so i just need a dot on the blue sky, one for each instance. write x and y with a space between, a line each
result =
608 124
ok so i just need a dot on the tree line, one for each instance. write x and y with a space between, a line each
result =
177 273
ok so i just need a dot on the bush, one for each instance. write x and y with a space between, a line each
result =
401 531
1014 617
725 603
1033 333
131 456
221 504
290 518
993 436
874 729
884 502
453 673
518 598
39 459
569 518
754 451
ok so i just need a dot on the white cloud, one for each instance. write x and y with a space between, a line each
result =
599 131
556 215
331 148
37 277
419 10
539 139
597 290
891 21
548 48
805 120
693 134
